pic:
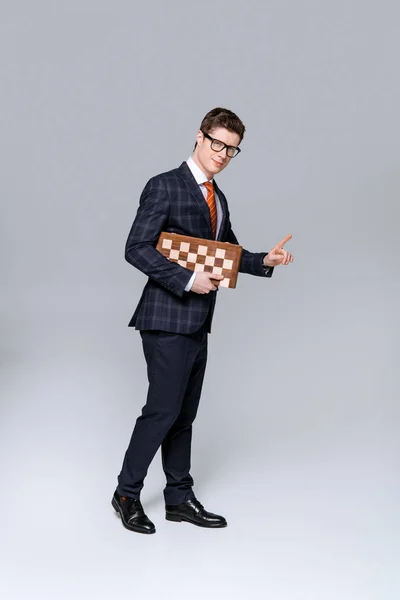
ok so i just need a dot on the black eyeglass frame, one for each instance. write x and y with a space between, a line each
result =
235 148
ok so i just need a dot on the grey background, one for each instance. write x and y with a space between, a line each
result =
296 441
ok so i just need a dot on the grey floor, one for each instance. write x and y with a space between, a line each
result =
309 489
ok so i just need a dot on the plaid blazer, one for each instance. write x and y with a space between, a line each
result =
173 201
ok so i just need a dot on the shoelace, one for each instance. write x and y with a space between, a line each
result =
198 504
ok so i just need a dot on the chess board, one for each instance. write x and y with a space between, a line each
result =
198 255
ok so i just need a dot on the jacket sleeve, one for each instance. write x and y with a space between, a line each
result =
251 262
140 250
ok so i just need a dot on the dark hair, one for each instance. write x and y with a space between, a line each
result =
222 117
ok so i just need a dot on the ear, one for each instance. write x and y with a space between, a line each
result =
199 137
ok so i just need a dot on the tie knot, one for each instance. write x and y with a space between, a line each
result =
209 186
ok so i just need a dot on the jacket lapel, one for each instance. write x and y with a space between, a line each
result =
195 191
224 206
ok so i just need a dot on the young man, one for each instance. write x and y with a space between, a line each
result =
174 317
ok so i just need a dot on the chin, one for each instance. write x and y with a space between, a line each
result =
216 167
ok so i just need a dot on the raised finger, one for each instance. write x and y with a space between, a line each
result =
285 239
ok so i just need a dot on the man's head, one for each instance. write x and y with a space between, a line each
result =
219 125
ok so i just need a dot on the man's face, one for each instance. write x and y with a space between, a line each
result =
210 161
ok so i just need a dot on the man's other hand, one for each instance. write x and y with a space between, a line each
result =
279 256
203 283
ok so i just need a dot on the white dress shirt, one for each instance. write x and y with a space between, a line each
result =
201 179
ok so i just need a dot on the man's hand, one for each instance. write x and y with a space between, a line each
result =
278 256
203 283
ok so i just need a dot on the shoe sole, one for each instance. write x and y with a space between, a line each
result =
126 525
179 519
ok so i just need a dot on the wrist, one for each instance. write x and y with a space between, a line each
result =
266 262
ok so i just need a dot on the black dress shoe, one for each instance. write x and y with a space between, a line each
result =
132 514
193 512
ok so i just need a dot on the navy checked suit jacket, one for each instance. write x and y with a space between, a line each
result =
173 202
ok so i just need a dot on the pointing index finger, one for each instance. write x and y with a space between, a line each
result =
285 239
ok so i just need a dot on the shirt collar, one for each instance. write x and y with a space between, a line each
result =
197 172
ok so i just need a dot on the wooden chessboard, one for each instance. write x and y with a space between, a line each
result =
199 254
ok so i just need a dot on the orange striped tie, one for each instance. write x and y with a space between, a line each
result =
212 206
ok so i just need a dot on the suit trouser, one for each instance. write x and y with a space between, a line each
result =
176 365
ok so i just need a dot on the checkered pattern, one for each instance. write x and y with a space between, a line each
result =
198 257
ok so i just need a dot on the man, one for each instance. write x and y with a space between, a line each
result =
174 317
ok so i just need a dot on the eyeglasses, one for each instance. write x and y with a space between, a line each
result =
217 145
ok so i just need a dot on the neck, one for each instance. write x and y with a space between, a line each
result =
196 160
